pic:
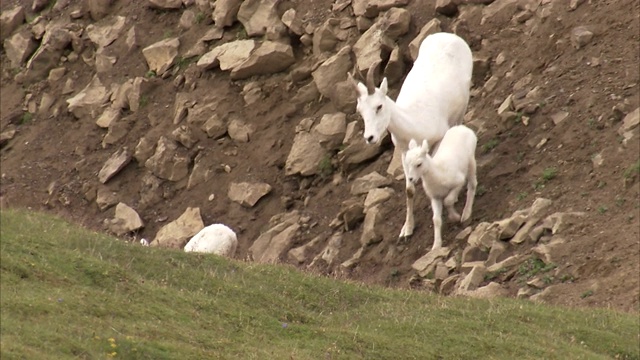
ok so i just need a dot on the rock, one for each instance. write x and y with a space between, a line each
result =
271 244
351 213
330 252
98 8
125 221
293 22
160 55
573 4
426 264
168 162
371 8
507 228
176 233
473 253
449 284
377 196
105 198
331 72
508 263
184 136
248 194
109 117
489 291
20 47
630 121
240 131
432 27
499 12
559 117
216 239
10 20
549 253
144 150
580 36
261 18
54 42
331 130
483 235
497 249
89 101
300 254
397 22
370 232
472 280
106 31
373 47
364 184
305 155
536 212
117 131
166 4
225 12
447 7
270 58
228 55
114 164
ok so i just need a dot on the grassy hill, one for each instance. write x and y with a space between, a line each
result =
70 293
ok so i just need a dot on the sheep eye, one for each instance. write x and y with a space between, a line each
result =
419 164
379 108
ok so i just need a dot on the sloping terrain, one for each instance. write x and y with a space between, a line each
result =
566 147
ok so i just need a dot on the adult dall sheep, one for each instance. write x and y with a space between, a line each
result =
217 239
444 174
433 98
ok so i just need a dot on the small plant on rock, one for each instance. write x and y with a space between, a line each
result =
490 145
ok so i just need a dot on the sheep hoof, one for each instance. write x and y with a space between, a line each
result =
405 232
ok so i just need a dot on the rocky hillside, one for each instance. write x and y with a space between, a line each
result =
151 119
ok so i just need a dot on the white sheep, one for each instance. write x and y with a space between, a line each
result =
433 97
216 239
444 174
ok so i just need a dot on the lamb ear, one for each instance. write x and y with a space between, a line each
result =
383 86
425 146
361 89
412 144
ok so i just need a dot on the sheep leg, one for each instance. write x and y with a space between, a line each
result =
407 228
449 201
472 184
436 206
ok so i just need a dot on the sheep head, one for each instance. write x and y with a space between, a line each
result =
372 106
415 160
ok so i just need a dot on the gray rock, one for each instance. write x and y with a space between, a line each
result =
19 48
580 36
168 162
371 8
176 233
247 194
225 12
161 55
261 18
364 184
377 196
426 264
89 101
10 20
433 26
228 55
106 31
126 220
116 162
166 4
271 244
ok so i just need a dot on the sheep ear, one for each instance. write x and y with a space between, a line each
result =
412 144
383 86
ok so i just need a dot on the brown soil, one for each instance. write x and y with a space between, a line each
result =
601 257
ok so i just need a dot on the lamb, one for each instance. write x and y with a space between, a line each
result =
444 174
433 97
217 239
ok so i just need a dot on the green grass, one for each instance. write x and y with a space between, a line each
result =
325 166
632 170
71 293
26 118
490 145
